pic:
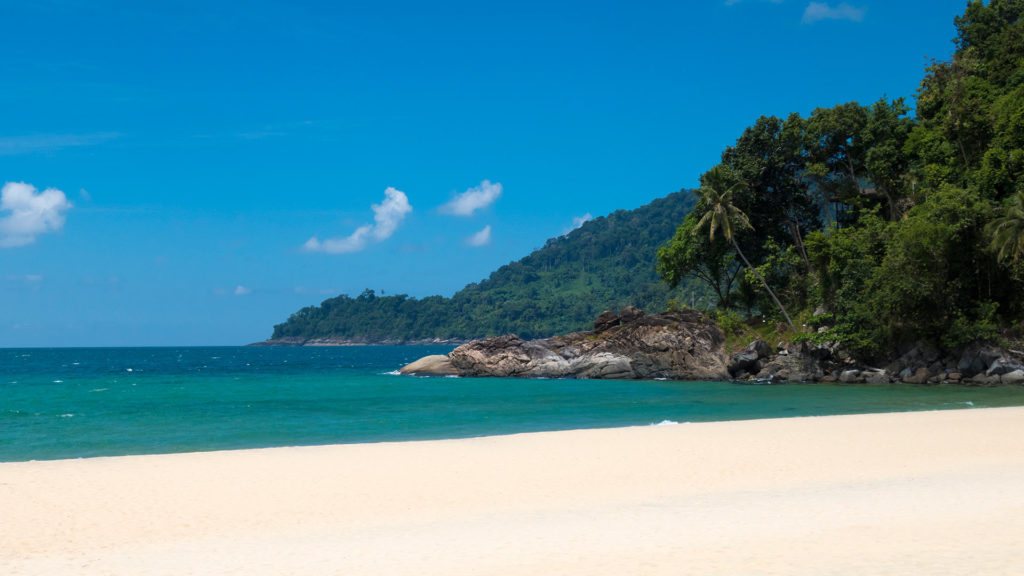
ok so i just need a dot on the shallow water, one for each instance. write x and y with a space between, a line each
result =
70 403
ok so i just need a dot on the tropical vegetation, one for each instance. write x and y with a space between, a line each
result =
877 225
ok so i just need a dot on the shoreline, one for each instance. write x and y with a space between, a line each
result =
330 341
933 492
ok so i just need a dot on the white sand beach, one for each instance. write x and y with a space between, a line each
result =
910 493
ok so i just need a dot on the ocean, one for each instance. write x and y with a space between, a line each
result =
86 402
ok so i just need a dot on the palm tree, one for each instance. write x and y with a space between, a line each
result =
1007 231
716 193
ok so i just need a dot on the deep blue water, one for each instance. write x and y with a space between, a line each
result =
71 403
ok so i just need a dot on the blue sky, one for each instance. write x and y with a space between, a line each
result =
191 173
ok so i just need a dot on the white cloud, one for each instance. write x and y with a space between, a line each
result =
818 11
481 238
386 216
242 290
31 213
578 221
473 199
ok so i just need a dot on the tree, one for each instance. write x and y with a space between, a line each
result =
711 261
715 194
1007 231
769 158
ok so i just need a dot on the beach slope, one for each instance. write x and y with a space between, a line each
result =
909 493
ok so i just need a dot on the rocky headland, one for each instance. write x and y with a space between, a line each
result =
683 345
687 345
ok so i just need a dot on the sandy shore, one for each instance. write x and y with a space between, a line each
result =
919 493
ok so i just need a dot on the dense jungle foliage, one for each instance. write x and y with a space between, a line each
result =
607 263
893 227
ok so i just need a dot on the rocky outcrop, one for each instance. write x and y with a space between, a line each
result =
683 345
975 365
686 345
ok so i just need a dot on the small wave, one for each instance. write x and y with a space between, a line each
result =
451 376
129 370
67 415
666 423
392 373
58 381
99 389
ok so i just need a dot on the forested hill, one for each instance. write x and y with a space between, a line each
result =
607 263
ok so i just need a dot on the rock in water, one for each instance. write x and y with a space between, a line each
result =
683 345
437 365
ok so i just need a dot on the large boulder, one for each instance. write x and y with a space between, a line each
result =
792 367
435 365
748 359
506 356
1002 366
630 314
977 358
1015 378
606 321
919 376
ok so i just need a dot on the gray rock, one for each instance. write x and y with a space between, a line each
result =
604 366
875 376
981 379
792 367
748 358
920 376
1001 366
1015 378
849 376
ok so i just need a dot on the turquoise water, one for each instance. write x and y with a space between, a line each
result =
71 403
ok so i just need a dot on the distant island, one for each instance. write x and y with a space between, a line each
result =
868 230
